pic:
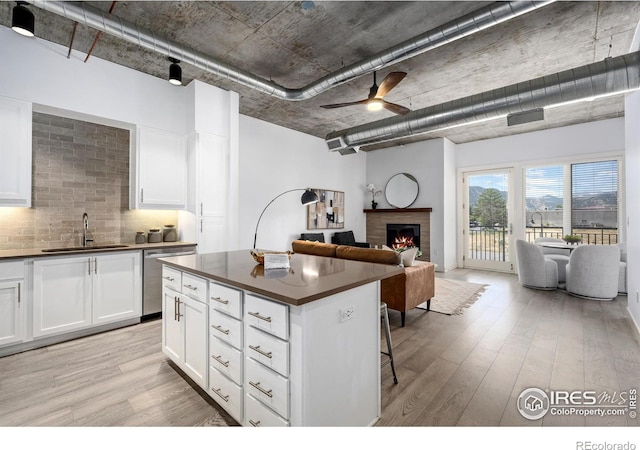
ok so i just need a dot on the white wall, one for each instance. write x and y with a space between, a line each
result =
632 163
430 162
274 159
38 71
603 136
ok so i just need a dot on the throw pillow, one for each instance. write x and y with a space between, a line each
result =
408 256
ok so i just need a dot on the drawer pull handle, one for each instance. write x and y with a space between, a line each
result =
169 278
193 288
259 350
223 397
220 329
219 300
266 319
261 389
219 359
254 424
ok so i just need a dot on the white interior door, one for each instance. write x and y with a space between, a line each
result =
487 238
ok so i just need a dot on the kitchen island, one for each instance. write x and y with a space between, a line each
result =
288 347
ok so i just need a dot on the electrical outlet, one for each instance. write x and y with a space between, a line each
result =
346 314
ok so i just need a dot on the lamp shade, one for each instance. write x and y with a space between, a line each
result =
175 73
309 197
23 21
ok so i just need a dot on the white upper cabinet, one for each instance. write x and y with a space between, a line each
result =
15 153
160 170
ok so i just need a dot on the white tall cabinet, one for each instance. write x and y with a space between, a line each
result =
15 148
71 293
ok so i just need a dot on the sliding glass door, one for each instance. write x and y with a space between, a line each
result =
487 232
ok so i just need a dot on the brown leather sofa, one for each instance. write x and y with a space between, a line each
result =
401 292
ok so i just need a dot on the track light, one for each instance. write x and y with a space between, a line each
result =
175 72
22 21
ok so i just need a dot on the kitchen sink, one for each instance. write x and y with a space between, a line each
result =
76 249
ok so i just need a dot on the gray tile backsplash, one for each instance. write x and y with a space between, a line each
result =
77 167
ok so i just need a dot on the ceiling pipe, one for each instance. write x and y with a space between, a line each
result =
471 23
608 77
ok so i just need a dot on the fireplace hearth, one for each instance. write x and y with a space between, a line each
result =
401 235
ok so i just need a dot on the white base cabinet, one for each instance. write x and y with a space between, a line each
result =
184 323
271 364
71 293
12 304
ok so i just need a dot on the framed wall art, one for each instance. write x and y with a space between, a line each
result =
328 213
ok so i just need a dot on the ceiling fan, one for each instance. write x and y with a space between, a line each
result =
375 102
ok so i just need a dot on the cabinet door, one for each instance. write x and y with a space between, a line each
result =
172 326
161 170
15 148
194 315
117 291
61 295
11 312
213 174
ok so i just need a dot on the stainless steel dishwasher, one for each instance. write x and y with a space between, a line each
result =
152 276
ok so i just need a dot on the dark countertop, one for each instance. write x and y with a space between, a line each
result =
38 252
309 278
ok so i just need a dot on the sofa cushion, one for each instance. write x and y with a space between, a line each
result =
344 238
372 255
314 248
319 237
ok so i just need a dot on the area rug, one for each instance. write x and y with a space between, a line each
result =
453 296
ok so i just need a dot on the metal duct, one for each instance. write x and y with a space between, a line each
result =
471 23
611 76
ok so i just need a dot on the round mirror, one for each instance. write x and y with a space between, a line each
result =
401 190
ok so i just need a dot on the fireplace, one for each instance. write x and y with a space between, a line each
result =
401 235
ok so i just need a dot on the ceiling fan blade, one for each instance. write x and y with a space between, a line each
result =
401 110
340 105
389 82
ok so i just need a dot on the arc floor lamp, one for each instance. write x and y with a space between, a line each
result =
308 197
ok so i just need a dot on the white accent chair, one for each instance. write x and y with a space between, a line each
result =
534 270
559 255
593 272
622 276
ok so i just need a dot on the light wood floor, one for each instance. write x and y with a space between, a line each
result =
453 370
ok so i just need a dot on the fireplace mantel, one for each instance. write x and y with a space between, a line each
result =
397 210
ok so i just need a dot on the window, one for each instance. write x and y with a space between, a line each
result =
589 208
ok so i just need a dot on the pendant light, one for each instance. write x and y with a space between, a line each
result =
22 21
175 72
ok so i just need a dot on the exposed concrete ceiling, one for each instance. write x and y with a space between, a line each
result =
295 43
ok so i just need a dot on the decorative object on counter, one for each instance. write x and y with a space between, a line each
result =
308 197
259 256
169 233
572 238
140 238
401 190
374 193
155 235
327 212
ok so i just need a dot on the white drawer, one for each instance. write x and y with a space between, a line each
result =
267 386
267 315
226 359
258 415
226 393
194 287
268 349
225 328
225 299
172 278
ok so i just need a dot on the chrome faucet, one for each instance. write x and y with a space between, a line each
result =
85 227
